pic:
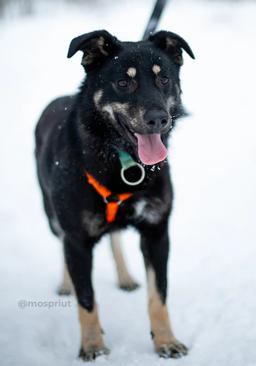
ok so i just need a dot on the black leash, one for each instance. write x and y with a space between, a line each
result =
154 19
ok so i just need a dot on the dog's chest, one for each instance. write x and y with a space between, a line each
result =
94 223
144 210
149 210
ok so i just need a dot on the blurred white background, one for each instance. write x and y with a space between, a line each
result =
212 271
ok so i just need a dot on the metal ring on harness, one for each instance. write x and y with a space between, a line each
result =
138 181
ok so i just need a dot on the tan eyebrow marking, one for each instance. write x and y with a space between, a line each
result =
156 69
131 72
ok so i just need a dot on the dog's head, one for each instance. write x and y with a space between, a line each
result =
135 86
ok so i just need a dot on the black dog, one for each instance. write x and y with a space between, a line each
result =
127 104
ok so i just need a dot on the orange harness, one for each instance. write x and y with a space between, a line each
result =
113 201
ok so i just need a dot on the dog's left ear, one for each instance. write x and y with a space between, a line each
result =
96 46
172 44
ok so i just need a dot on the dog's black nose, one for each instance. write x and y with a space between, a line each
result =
156 120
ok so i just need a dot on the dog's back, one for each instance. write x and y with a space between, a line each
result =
51 122
52 119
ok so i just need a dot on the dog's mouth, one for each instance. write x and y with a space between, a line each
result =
149 147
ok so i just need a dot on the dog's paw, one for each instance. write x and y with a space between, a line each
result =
64 291
129 286
92 353
173 349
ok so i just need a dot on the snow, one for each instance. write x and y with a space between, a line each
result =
212 271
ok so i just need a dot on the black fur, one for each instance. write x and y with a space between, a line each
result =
76 134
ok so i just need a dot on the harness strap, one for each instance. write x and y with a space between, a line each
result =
112 201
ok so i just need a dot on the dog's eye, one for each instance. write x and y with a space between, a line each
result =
164 80
122 83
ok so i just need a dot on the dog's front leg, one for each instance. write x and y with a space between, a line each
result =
78 255
155 248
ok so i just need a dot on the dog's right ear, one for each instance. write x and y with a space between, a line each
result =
96 46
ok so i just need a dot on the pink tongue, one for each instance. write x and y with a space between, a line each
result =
151 149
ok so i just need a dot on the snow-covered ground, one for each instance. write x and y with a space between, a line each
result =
212 272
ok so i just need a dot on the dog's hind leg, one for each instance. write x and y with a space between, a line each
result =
125 280
66 287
